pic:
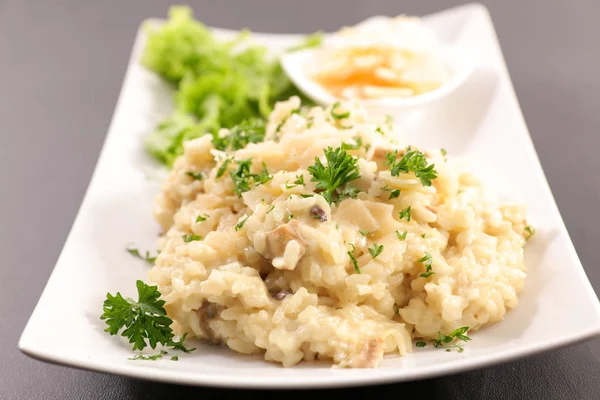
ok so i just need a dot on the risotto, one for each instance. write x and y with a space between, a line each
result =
259 255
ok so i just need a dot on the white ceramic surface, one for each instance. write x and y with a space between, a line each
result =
481 122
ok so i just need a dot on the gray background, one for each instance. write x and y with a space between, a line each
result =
61 66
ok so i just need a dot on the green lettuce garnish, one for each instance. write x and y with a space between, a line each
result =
220 84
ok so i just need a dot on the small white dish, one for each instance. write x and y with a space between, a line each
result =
484 124
459 62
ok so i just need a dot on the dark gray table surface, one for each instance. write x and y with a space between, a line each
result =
61 66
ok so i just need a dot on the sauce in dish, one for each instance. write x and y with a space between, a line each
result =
381 57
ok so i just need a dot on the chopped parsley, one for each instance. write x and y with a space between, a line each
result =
458 334
529 232
341 169
397 309
136 253
145 357
309 122
375 250
349 192
405 214
353 259
197 176
244 180
271 207
145 321
223 168
426 261
349 146
238 137
290 217
401 236
338 115
380 131
423 236
201 218
364 233
394 193
175 358
299 181
412 161
420 344
241 223
190 237
306 195
444 154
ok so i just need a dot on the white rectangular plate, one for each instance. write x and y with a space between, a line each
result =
482 121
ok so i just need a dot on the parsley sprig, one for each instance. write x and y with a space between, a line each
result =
145 321
412 161
458 334
341 169
446 341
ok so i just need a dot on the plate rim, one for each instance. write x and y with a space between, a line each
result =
300 382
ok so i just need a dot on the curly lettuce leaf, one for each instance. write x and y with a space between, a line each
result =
219 83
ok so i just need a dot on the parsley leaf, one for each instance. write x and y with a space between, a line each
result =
412 161
201 218
338 115
349 192
394 193
223 168
341 168
299 181
241 223
349 146
426 260
191 237
444 154
145 321
197 176
529 232
175 358
375 250
420 344
401 236
353 259
405 214
136 253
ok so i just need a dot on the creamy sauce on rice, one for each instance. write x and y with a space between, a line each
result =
269 272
